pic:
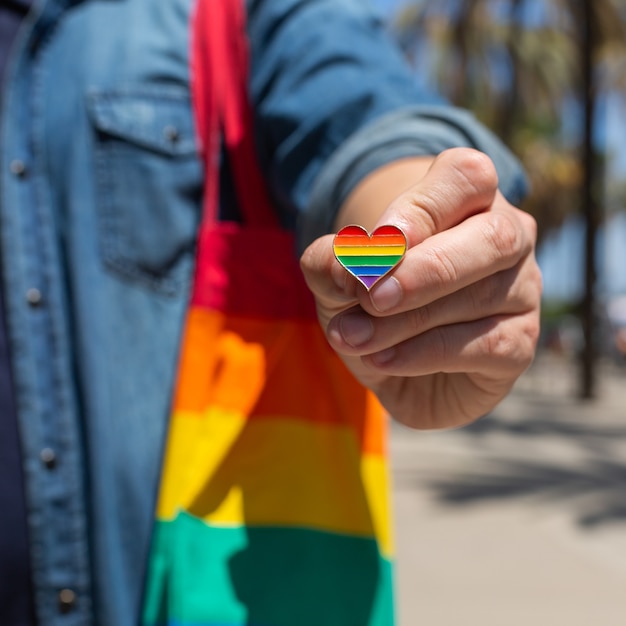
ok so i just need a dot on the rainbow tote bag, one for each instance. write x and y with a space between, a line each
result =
273 507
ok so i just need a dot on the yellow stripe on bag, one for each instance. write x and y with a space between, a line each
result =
276 472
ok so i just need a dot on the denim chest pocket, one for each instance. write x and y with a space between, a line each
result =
148 185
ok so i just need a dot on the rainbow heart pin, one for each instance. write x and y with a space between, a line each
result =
369 257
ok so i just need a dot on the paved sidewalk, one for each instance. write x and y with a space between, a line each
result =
520 519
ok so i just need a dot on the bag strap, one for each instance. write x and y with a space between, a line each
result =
219 85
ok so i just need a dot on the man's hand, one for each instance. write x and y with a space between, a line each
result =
443 337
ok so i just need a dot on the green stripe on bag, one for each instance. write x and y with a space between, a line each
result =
235 576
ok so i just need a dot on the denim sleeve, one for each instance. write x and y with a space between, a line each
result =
411 131
333 99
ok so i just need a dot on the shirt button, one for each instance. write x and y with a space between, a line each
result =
18 168
48 458
67 600
171 133
34 297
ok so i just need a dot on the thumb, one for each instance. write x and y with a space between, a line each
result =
333 288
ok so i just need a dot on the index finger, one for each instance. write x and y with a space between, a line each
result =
460 183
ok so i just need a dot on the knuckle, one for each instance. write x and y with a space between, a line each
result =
500 344
475 168
438 348
439 267
532 330
513 347
487 293
503 236
530 223
423 210
420 319
529 284
537 281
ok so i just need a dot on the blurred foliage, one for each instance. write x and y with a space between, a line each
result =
516 64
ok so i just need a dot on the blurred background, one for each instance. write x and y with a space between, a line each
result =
521 518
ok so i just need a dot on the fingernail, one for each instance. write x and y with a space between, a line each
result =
383 357
356 329
386 294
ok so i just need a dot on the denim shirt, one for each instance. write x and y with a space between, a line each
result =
99 202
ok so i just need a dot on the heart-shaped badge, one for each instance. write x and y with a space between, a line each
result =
369 257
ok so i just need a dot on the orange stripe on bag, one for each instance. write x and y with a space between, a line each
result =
237 375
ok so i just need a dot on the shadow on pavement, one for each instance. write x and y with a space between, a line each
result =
545 448
594 493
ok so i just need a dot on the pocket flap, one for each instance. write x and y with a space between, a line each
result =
160 121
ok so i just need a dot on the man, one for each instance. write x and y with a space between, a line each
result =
101 189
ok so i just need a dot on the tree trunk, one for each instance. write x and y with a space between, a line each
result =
589 205
507 116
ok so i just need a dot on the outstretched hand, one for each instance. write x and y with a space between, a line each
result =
443 337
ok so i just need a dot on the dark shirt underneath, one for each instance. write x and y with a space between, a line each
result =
16 602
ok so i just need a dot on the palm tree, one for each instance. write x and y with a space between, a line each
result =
513 78
599 32
518 65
